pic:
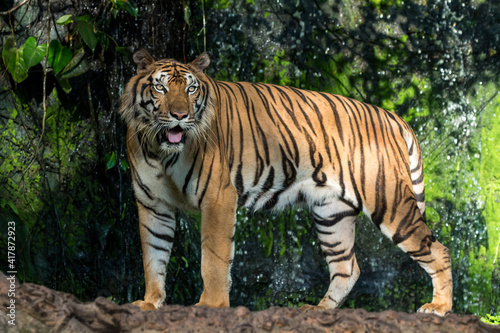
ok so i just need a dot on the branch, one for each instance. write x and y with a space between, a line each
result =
7 12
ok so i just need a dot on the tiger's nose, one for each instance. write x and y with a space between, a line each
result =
179 115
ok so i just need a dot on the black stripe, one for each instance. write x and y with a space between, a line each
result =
308 121
418 180
367 108
397 196
164 237
272 202
206 184
380 197
326 244
362 118
323 232
259 161
240 187
134 90
159 248
350 204
344 258
410 151
331 253
341 171
269 182
201 167
289 110
403 153
172 160
354 185
322 126
265 102
291 137
418 167
333 219
340 275
408 220
164 215
190 173
319 178
425 247
361 147
141 184
420 197
262 136
288 169
336 114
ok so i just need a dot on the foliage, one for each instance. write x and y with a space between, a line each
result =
65 61
492 320
56 185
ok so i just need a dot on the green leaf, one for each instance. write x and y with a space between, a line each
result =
64 83
130 6
33 54
101 39
59 56
87 32
124 210
76 66
125 165
11 205
13 60
186 262
187 14
65 19
114 11
110 160
125 51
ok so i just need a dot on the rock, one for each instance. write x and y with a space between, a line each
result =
40 309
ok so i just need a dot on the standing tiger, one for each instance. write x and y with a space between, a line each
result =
198 144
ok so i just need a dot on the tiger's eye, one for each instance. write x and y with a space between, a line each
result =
159 87
192 89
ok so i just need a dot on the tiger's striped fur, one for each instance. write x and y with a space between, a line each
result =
198 144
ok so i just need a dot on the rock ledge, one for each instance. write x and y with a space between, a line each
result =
40 309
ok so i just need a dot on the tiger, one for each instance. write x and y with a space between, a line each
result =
197 144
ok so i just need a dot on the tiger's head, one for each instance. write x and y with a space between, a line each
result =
166 103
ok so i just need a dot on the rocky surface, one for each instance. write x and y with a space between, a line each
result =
40 309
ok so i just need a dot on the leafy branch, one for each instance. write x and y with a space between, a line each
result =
65 62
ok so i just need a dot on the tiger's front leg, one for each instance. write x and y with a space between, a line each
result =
217 246
157 228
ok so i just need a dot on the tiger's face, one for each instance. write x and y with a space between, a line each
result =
167 102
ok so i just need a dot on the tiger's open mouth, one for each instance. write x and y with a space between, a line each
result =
172 136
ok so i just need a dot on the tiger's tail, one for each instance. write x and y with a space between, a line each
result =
416 169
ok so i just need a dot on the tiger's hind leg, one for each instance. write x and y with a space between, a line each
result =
406 227
335 225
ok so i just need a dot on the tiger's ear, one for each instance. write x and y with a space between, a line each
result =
143 60
202 61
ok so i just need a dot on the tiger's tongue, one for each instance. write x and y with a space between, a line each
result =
174 136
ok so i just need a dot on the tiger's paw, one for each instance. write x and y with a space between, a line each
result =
145 306
308 307
202 304
435 308
213 305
